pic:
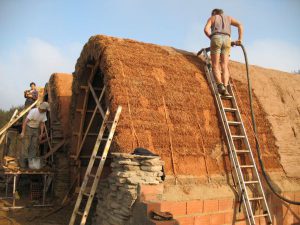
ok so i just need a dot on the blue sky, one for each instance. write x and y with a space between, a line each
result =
39 37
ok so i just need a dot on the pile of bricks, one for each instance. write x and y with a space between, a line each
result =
117 193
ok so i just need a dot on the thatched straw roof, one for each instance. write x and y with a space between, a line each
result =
60 88
168 106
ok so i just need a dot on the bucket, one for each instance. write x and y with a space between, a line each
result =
35 163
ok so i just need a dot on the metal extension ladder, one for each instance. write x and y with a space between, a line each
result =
250 188
111 126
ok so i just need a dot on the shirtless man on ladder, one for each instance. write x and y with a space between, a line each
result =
218 30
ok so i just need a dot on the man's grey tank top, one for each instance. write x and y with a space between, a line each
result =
221 25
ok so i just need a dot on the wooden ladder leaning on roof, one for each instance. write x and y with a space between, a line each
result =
89 175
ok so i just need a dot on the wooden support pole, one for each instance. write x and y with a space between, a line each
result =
85 103
90 123
53 150
96 99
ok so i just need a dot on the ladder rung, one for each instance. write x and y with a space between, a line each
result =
79 213
261 215
230 109
87 111
255 198
89 134
86 194
247 166
97 157
238 136
87 87
242 151
234 123
92 175
251 182
226 97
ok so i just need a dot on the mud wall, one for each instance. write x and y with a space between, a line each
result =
279 96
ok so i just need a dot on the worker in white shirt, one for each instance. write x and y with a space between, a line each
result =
33 132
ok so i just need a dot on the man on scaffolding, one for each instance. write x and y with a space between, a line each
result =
218 30
33 132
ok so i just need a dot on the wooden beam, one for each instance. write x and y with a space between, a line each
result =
90 123
4 134
96 100
86 97
86 87
53 150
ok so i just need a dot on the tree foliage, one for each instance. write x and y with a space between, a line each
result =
5 115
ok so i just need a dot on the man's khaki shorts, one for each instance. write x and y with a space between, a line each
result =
220 44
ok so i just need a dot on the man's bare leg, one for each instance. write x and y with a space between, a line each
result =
224 67
225 71
215 59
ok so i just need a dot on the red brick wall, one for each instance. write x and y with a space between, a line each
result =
217 211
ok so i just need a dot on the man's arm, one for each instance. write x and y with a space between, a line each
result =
24 127
42 127
207 28
237 24
35 95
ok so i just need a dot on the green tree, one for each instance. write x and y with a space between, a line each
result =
5 115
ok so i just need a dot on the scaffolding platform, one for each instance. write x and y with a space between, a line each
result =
12 174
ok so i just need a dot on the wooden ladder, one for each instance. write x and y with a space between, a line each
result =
89 176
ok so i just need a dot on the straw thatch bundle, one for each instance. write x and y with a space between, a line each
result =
167 104
60 88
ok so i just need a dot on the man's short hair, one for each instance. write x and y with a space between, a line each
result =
217 12
32 83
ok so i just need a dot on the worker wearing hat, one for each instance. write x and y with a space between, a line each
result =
33 131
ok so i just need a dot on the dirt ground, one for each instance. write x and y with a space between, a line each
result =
35 216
